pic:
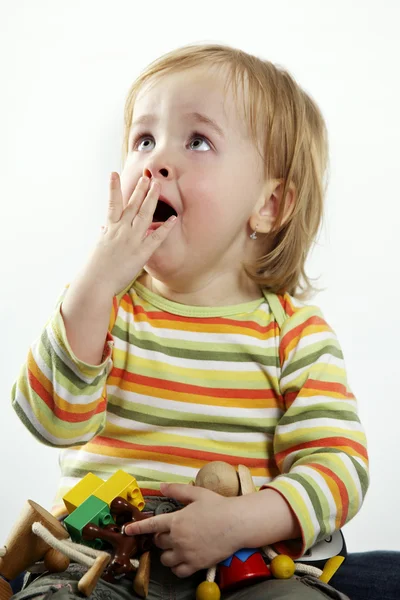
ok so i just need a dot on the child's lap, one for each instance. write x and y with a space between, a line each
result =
164 585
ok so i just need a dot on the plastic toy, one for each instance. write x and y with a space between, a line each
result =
98 511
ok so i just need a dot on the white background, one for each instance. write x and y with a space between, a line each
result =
65 71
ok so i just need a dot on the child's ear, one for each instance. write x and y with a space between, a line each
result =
265 214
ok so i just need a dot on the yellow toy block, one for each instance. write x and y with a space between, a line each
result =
81 491
121 484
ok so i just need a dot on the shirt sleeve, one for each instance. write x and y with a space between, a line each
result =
319 443
60 399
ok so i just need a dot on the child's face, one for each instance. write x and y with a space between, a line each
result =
213 181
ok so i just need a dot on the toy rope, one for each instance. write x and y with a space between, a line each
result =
69 549
300 568
77 552
211 572
91 552
270 553
83 555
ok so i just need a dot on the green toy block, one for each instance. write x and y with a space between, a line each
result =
92 510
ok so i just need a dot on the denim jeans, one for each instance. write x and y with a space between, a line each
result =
369 576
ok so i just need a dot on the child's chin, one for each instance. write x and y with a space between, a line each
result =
163 263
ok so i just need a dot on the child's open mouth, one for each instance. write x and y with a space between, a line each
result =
162 213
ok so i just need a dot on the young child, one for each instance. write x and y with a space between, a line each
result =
207 355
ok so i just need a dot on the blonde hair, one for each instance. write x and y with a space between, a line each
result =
289 131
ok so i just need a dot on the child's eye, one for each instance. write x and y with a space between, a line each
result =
145 138
198 136
139 140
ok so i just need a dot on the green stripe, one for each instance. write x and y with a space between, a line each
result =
309 414
66 376
315 498
361 472
310 359
193 421
220 352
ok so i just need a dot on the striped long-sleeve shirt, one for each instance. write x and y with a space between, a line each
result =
180 386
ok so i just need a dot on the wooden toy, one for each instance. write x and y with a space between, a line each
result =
245 565
219 477
98 511
23 548
248 565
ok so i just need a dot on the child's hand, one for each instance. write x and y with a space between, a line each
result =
199 535
123 247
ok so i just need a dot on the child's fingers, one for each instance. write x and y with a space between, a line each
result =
115 199
141 218
157 524
155 238
137 198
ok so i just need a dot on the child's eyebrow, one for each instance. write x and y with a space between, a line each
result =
193 116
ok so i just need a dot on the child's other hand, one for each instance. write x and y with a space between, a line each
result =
123 247
199 535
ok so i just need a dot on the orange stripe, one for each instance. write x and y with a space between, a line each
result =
63 415
329 386
316 322
266 334
174 455
184 388
160 317
287 305
330 442
269 400
313 387
48 389
343 507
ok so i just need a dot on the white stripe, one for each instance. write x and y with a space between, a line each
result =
61 391
323 360
360 461
299 304
354 479
192 363
216 436
309 340
326 400
65 359
55 441
321 483
326 422
289 460
260 481
145 465
197 409
310 509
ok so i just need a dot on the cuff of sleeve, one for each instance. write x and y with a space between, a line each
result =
293 548
85 368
